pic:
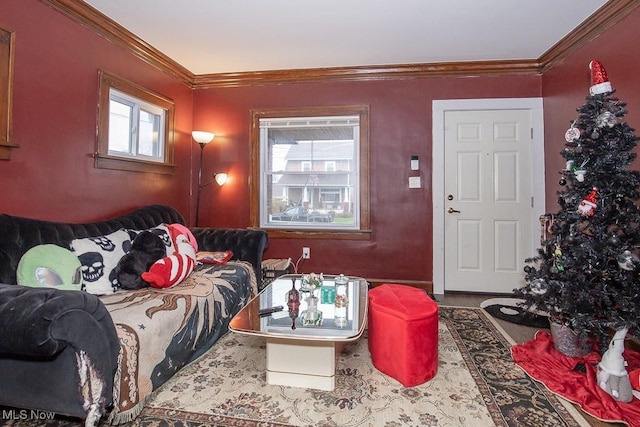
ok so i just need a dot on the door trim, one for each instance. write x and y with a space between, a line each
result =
439 108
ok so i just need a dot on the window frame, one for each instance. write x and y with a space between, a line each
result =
105 160
7 57
362 111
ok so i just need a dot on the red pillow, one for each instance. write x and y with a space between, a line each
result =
219 257
169 271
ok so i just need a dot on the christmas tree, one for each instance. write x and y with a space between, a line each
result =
586 273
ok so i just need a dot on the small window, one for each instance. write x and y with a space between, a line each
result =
135 128
313 171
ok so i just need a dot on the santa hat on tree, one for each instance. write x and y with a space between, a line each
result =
599 81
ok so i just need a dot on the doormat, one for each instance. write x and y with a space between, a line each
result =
507 309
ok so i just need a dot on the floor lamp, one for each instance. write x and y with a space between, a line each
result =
202 138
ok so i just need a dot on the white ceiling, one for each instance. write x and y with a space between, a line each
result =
221 36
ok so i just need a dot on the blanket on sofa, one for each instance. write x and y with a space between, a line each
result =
161 330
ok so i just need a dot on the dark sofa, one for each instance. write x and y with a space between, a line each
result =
47 335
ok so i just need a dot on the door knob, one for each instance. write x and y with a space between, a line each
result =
451 210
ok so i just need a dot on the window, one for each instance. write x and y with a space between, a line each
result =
135 127
311 171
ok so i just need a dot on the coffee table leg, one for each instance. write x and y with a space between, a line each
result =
299 363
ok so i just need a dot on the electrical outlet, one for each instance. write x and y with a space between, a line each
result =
306 253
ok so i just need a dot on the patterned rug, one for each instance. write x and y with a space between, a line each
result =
477 384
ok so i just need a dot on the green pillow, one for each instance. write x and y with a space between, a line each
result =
50 266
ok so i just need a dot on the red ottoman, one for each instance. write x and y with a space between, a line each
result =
403 333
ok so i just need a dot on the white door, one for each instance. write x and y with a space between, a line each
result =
488 192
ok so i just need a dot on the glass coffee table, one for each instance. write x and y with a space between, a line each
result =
303 345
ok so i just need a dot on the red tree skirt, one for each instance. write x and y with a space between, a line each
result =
574 378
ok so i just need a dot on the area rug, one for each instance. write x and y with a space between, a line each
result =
574 378
477 384
507 309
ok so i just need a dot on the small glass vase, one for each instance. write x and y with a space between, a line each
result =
342 301
312 304
311 316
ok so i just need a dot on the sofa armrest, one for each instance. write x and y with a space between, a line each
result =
54 343
246 244
41 322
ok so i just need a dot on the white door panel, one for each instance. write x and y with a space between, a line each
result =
488 185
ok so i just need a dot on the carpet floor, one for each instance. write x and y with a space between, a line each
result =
477 384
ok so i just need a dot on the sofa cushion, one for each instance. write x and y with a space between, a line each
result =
50 266
99 257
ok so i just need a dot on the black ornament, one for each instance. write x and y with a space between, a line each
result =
614 240
562 181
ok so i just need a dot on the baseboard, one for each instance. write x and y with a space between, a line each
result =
427 286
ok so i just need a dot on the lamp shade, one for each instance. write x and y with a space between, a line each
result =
202 137
221 178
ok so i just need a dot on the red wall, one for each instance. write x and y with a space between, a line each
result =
566 86
401 244
52 176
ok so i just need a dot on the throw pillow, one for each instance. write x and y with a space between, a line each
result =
162 231
50 266
99 257
169 271
146 249
173 269
219 257
179 229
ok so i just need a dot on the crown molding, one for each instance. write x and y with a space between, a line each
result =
601 20
364 73
114 32
605 17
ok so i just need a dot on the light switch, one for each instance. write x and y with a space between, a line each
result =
415 165
414 182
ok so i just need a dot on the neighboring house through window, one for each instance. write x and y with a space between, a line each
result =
312 170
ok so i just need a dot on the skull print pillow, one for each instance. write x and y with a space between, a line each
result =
99 257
